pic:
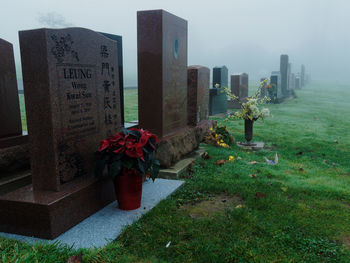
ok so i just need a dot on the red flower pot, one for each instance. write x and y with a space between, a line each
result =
128 188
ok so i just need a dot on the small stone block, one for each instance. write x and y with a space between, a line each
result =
255 146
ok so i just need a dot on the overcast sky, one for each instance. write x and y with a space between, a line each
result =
245 35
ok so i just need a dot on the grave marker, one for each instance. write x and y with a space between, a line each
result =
162 72
284 75
71 88
198 94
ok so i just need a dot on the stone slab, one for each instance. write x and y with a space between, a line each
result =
107 224
47 214
181 166
255 146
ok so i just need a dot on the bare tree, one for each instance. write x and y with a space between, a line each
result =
53 20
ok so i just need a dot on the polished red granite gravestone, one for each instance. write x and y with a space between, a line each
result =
198 94
72 102
162 85
162 72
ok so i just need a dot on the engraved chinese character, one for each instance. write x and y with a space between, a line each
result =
106 85
108 119
104 52
107 104
105 66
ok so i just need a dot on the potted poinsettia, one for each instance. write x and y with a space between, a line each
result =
126 157
250 111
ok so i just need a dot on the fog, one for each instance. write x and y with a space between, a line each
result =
246 35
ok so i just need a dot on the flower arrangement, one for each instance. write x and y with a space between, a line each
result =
219 137
131 150
250 110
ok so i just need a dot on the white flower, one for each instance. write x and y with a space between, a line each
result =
217 85
265 112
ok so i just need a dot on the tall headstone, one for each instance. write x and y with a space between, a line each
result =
297 82
14 156
119 40
288 76
71 88
243 93
220 76
275 92
162 72
198 94
263 91
292 81
239 85
10 116
284 74
302 76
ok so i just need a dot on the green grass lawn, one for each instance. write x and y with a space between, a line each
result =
300 214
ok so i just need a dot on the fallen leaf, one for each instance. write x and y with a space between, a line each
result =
252 175
239 206
253 162
220 162
75 259
284 189
205 156
259 195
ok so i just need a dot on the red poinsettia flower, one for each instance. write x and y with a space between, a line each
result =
145 136
103 145
134 151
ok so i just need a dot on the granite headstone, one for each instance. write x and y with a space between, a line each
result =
284 74
162 72
198 94
10 116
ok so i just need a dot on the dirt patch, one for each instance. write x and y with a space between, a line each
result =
346 241
215 205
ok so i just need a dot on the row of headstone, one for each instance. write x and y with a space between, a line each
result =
73 95
284 81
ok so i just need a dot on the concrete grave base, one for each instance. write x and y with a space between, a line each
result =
108 223
255 146
180 167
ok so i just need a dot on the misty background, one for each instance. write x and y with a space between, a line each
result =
246 36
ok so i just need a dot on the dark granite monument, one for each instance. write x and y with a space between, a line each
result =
10 116
217 98
71 86
14 157
288 77
119 41
297 82
292 81
263 91
275 92
198 94
162 85
302 76
220 76
239 87
284 75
